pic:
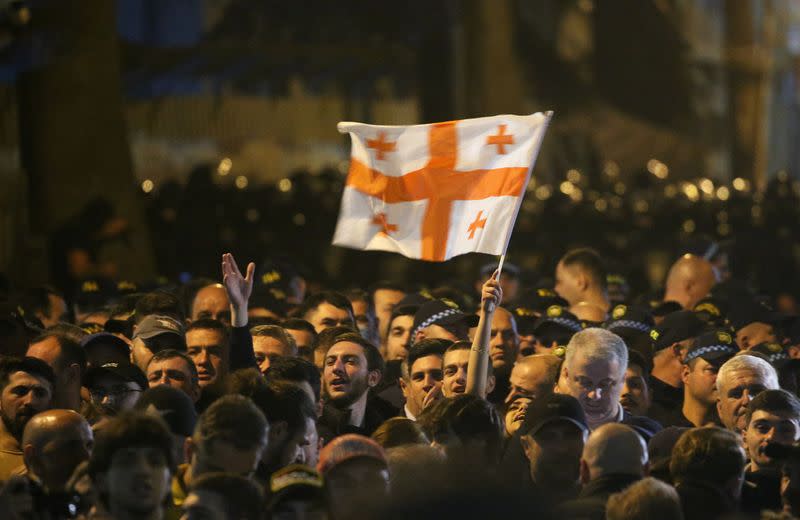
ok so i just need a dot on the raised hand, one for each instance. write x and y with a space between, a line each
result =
491 294
238 287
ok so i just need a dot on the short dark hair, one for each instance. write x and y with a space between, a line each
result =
374 359
774 401
299 324
37 299
336 299
130 429
707 454
466 417
71 351
589 261
276 332
421 349
68 330
399 431
30 365
282 401
158 302
466 345
242 498
170 353
210 324
295 370
232 418
387 285
327 337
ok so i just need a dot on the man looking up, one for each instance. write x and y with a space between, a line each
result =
68 361
581 277
689 280
739 381
26 388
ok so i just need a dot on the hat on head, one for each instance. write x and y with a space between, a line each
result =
775 353
409 305
123 370
172 405
296 481
716 347
509 269
154 325
713 310
558 315
632 318
349 447
746 311
538 300
555 407
440 312
676 327
105 338
660 309
92 293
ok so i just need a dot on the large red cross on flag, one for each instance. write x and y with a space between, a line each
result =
436 191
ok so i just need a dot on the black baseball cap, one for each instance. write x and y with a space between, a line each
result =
539 299
632 318
172 405
560 316
713 310
441 312
676 327
776 354
555 407
126 371
716 347
746 311
105 338
409 305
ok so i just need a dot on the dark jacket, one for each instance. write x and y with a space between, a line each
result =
761 492
704 501
335 422
591 503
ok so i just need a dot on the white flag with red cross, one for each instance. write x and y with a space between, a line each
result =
437 191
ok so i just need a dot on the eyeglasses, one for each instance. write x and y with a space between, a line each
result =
116 392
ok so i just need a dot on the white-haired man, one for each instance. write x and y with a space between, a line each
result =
739 380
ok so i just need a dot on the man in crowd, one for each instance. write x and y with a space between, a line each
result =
553 329
103 347
271 342
385 296
636 397
208 345
115 388
421 381
614 457
46 304
739 381
131 467
581 277
533 377
176 369
223 496
689 280
298 371
352 366
455 365
442 319
503 351
327 309
211 302
364 315
398 332
154 333
305 337
68 361
754 322
26 388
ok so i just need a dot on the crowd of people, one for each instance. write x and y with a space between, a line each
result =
250 397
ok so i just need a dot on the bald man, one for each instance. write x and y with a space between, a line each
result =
503 351
211 302
533 377
614 457
690 279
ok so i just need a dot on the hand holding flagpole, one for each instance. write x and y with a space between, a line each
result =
478 366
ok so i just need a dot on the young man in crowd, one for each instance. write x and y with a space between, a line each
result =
422 375
176 369
68 361
385 296
208 345
327 309
271 342
114 388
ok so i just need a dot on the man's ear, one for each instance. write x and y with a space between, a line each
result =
685 374
403 387
491 381
373 378
583 280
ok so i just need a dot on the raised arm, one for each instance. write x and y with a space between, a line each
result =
239 289
478 368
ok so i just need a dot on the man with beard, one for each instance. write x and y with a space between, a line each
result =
352 366
26 388
739 381
131 467
636 397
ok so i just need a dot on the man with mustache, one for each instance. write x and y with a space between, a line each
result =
26 388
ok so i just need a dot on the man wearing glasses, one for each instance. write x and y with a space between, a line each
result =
115 388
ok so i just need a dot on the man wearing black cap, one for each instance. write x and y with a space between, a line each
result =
442 319
700 367
509 282
671 340
553 436
754 323
103 347
154 333
633 324
554 329
115 387
177 410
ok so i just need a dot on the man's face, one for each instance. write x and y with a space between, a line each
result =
295 449
385 300
112 395
173 372
751 335
366 322
424 376
735 394
596 383
212 302
304 341
515 414
58 311
138 480
454 381
568 284
767 427
24 396
700 380
346 375
326 316
397 341
504 345
554 452
203 504
266 349
220 455
58 458
207 349
635 396
529 380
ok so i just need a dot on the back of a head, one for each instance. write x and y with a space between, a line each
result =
399 431
759 367
242 498
51 424
295 370
708 454
235 419
285 402
590 262
648 499
313 301
596 343
162 303
467 417
71 350
615 449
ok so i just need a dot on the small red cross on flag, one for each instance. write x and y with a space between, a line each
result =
415 189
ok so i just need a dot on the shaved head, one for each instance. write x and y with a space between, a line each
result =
54 443
47 425
534 377
613 449
586 311
211 302
689 280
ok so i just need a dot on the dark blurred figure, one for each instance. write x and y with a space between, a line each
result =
199 220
